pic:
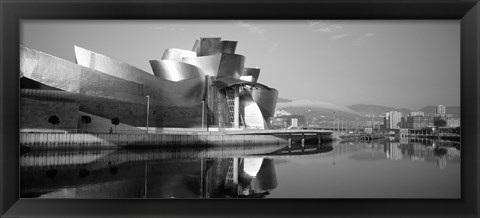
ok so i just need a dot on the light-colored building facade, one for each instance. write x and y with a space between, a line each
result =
394 119
453 122
416 113
441 110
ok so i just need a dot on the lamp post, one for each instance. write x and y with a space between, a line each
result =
203 113
334 122
148 109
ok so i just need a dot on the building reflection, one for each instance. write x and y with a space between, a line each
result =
437 152
218 172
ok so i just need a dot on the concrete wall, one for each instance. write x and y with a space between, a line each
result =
35 114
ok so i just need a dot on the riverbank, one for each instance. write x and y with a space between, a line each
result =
106 141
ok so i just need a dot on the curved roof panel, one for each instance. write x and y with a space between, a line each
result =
254 72
174 70
175 93
176 54
229 47
266 100
219 65
253 117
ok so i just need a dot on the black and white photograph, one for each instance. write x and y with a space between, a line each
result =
196 109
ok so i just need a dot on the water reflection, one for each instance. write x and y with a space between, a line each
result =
404 149
214 172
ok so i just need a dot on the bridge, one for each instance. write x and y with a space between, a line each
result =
322 135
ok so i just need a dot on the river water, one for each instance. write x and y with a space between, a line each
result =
391 168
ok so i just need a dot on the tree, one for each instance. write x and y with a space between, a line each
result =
439 122
54 120
115 121
86 120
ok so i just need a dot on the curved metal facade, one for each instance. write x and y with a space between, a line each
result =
176 93
180 82
266 100
45 68
209 64
254 72
252 114
174 70
231 65
229 47
176 54
219 65
209 46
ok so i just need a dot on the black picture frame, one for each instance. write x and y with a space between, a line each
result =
12 11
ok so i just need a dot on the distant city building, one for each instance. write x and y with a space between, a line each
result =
288 121
280 112
403 132
453 122
368 130
418 122
394 119
386 121
441 110
416 113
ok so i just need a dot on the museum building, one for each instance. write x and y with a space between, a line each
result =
206 87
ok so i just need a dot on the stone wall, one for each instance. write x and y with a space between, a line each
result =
130 113
35 114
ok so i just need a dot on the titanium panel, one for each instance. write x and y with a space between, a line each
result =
210 46
176 54
253 118
208 64
174 70
196 46
266 100
172 93
254 72
229 47
231 65
61 74
219 65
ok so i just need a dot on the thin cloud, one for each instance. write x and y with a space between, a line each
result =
339 36
252 28
162 28
364 39
326 30
324 26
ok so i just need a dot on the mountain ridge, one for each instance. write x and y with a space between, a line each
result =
304 106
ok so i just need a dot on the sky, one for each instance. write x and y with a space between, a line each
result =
397 63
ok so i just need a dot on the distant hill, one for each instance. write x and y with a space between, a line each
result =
281 100
376 109
316 108
430 110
